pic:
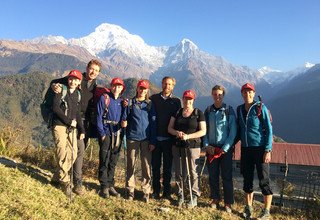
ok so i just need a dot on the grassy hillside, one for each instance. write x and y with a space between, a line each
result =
25 193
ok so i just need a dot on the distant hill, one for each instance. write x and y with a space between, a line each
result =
296 108
21 96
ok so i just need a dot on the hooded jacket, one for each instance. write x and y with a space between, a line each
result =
221 127
253 131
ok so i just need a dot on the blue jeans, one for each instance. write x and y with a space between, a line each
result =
223 164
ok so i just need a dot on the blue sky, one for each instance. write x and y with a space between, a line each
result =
282 34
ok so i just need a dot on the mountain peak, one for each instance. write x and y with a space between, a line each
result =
186 44
308 65
265 69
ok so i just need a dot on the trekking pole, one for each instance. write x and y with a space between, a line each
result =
71 171
181 175
125 159
204 164
188 175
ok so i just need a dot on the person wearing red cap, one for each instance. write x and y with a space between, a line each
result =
110 121
141 136
188 126
66 122
256 145
218 143
166 105
87 89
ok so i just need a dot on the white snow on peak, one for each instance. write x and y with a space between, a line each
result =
187 44
308 65
107 37
265 70
49 40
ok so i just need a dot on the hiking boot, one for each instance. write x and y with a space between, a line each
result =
214 204
78 189
227 208
104 192
264 215
247 213
113 192
167 197
180 200
194 202
146 198
66 188
130 196
156 196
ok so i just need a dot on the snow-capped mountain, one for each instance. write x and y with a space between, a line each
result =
275 77
108 38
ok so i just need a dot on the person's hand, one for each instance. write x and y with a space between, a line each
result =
81 136
179 134
210 150
124 124
151 147
185 137
103 137
125 102
73 123
56 87
267 157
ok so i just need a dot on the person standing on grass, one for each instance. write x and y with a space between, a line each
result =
141 136
111 118
166 105
256 145
188 125
66 123
218 143
87 109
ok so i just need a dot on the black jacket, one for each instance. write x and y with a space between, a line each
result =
63 117
165 108
87 91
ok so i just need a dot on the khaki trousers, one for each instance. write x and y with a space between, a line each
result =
133 148
63 141
193 155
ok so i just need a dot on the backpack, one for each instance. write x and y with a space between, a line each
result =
259 111
46 105
98 92
130 105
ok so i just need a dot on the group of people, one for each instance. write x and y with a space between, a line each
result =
165 133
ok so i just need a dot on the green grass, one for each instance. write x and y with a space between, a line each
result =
25 193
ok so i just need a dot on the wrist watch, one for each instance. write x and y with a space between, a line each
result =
267 151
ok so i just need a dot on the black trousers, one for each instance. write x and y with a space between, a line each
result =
163 150
108 158
252 157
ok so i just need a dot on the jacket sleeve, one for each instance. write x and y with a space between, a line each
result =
232 127
100 111
205 137
80 126
56 108
152 125
268 127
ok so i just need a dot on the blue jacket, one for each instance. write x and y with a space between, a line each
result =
115 113
253 133
141 121
221 127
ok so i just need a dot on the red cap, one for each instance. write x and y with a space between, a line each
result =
189 94
75 73
143 83
118 81
247 86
